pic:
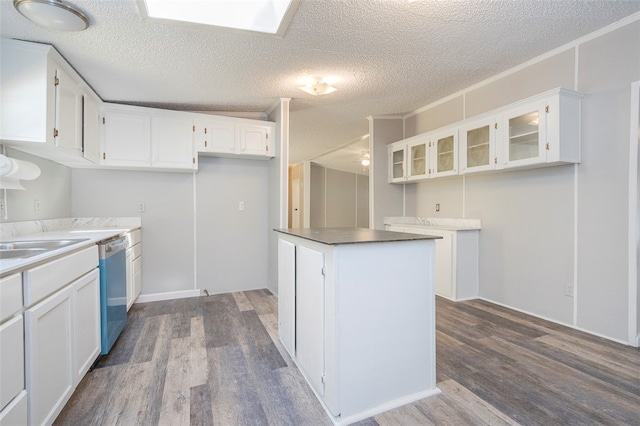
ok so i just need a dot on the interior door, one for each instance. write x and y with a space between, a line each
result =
295 203
310 315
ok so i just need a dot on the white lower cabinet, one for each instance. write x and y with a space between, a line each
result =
49 356
134 267
11 360
16 412
86 304
456 263
61 330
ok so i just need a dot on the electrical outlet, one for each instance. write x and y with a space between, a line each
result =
241 206
141 206
36 206
568 289
3 208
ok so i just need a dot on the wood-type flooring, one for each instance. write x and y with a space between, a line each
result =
216 360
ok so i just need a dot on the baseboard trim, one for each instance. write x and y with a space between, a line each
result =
157 297
593 333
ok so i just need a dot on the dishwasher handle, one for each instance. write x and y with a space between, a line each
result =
111 247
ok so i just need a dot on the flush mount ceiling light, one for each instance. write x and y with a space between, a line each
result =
318 88
52 14
265 16
366 160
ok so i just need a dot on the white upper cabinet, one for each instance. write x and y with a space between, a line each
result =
397 162
234 137
255 140
172 142
41 103
478 146
418 158
540 131
147 138
215 136
92 124
126 137
443 147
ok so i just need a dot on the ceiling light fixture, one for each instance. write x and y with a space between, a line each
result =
52 14
318 88
365 159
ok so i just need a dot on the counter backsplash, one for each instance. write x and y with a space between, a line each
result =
14 229
435 222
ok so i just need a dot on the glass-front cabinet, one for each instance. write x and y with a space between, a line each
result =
444 153
418 151
478 146
523 135
397 159
539 131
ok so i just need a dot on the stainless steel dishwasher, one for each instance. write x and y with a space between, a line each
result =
113 290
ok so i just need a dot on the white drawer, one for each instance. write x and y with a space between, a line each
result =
11 360
16 412
134 237
44 280
10 296
136 251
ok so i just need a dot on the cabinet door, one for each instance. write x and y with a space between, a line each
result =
87 323
444 154
477 146
126 138
11 359
523 135
49 356
137 277
287 294
310 338
418 160
253 140
68 130
396 164
172 142
444 265
91 128
216 137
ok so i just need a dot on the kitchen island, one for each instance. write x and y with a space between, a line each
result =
356 312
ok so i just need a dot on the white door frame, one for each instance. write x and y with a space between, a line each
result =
634 215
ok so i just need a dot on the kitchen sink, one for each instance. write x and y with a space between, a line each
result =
24 249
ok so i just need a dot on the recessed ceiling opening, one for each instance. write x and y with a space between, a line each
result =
265 16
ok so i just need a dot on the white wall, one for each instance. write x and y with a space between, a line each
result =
52 189
231 245
167 223
545 228
339 199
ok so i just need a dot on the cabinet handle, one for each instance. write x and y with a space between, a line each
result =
495 160
205 130
104 155
205 144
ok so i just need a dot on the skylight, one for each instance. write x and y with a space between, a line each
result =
265 16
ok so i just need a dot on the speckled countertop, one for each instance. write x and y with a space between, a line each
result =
335 236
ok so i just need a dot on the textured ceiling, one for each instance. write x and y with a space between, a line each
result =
387 56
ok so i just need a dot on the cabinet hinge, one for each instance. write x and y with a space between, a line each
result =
547 146
205 130
205 144
324 271
495 160
546 109
103 120
104 155
267 147
193 128
55 133
495 126
267 135
322 379
193 160
56 81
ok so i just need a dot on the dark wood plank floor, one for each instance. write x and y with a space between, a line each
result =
216 360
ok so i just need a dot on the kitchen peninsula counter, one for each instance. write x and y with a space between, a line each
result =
356 312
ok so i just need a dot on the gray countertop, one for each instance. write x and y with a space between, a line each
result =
335 236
